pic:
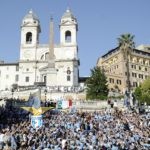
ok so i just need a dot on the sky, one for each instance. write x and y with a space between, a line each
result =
100 23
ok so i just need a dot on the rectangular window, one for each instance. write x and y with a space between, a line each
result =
131 66
119 82
141 76
17 68
17 78
134 74
27 79
111 80
135 84
134 66
68 78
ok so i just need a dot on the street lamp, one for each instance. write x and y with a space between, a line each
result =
45 91
12 92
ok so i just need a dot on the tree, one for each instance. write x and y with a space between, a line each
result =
127 44
97 87
138 93
142 93
145 87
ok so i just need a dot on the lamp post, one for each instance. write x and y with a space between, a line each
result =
12 92
50 90
76 91
45 91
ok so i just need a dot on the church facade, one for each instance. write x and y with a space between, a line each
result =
48 64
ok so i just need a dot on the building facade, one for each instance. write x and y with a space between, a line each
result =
50 64
114 65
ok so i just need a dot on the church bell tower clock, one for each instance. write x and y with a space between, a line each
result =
68 41
30 30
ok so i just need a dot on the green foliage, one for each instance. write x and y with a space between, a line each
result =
146 86
97 87
138 93
142 93
127 44
126 40
145 98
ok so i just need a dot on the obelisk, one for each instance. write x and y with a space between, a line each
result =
51 71
51 62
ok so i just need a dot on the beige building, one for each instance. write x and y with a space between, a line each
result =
114 65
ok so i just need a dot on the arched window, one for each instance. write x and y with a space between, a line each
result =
141 61
29 37
134 60
68 36
146 62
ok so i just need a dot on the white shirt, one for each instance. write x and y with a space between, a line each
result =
63 143
1 137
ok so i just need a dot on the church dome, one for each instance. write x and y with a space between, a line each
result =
31 15
30 19
68 16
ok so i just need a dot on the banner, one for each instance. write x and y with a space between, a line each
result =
36 121
64 104
59 104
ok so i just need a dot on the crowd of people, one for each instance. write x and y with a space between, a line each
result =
107 129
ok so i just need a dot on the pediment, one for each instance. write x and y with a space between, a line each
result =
28 24
68 22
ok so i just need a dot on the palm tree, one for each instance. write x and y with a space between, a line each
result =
126 45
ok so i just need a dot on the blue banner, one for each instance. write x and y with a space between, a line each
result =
36 121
